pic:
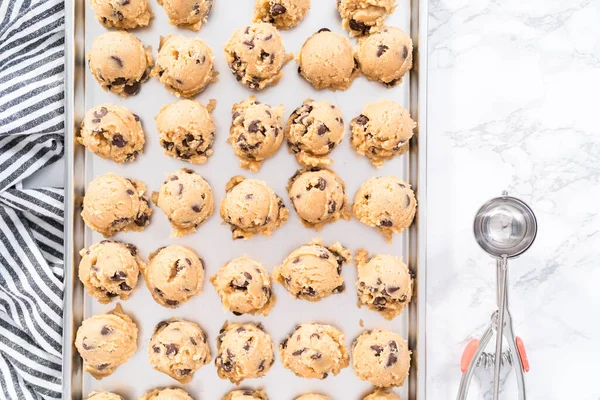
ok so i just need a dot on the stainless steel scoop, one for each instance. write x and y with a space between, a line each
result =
505 227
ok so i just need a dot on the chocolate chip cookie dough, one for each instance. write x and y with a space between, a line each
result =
106 341
381 394
384 283
178 348
386 203
109 269
166 394
382 131
251 207
326 61
190 14
184 65
122 14
313 130
245 351
112 132
186 199
246 394
244 287
381 357
363 17
103 396
313 396
256 132
318 196
115 204
385 56
256 54
314 351
186 130
173 275
284 14
120 62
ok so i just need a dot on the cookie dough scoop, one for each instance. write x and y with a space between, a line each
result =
184 65
189 14
178 348
120 62
186 199
166 394
115 204
122 14
326 61
256 54
364 17
251 207
382 131
313 396
106 341
173 275
381 357
386 203
318 196
382 394
103 396
256 132
110 269
112 132
246 394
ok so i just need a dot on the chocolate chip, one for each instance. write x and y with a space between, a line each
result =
322 184
393 346
172 302
362 119
316 356
358 26
117 60
261 366
407 201
264 55
248 276
132 89
299 352
142 220
101 112
267 291
185 371
296 260
102 367
267 38
156 349
340 288
118 276
119 81
125 2
86 346
377 349
247 345
237 313
404 52
193 341
381 49
322 130
188 261
196 208
249 43
393 359
331 206
386 223
249 196
125 287
309 291
277 9
253 127
324 255
130 192
172 349
106 330
325 375
392 289
227 366
324 30
380 301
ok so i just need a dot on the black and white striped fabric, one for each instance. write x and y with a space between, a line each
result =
31 220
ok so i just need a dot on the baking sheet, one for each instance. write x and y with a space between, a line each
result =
213 240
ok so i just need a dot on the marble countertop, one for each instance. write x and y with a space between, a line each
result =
512 105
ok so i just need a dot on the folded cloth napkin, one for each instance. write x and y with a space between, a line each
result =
31 220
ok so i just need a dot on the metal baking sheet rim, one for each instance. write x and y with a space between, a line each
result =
75 182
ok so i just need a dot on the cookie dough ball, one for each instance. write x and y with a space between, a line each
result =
120 62
283 14
167 394
313 396
380 394
255 55
313 130
314 351
256 132
386 203
246 394
385 56
106 341
245 351
318 196
115 204
178 348
326 61
186 199
363 17
122 14
103 396
381 357
382 131
173 275
184 65
190 14
186 130
244 287
109 269
112 132
314 271
384 283
251 207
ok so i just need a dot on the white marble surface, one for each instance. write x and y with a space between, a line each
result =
513 105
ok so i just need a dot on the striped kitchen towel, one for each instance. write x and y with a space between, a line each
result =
31 220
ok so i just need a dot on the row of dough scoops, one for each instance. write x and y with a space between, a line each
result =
255 54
